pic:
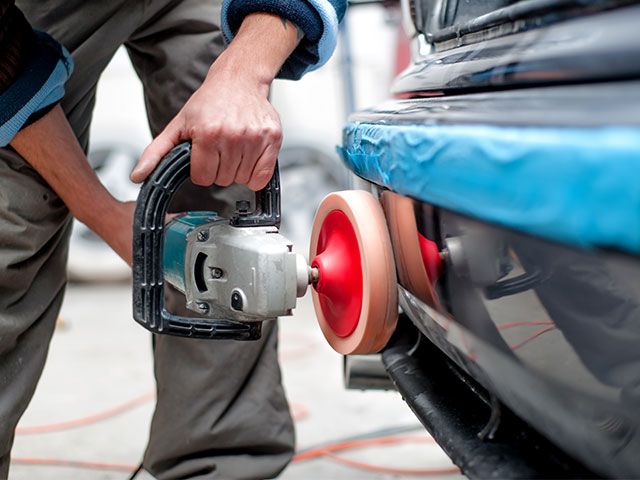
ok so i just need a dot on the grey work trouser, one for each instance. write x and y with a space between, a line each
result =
221 410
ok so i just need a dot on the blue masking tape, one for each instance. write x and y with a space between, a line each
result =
576 185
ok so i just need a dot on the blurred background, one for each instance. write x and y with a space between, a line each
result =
90 415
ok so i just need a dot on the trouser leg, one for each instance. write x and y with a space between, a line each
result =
221 410
34 231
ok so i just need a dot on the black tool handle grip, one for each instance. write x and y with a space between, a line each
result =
148 243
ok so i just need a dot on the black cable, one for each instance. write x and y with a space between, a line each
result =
135 472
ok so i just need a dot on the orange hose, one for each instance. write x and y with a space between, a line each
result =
355 444
56 462
523 324
299 412
89 419
324 451
532 337
392 470
328 451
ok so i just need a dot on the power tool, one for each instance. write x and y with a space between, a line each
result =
237 272
234 272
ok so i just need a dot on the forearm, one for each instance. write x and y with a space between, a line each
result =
234 131
51 148
262 45
318 19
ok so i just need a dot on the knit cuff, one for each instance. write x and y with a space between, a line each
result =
317 19
40 85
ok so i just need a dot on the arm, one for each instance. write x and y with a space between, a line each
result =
51 148
234 130
33 71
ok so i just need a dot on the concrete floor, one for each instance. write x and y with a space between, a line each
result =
100 358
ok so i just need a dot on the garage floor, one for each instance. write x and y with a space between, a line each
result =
99 359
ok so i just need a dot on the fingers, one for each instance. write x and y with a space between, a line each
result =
240 146
257 168
157 149
232 153
205 159
249 160
263 170
253 148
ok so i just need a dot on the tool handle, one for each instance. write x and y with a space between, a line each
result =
148 244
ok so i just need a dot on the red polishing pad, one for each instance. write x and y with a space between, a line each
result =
340 285
417 258
356 296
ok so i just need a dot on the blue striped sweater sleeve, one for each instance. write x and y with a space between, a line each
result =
318 19
40 85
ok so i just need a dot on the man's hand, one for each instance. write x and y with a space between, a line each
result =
235 132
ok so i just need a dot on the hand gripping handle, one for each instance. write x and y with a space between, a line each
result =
148 243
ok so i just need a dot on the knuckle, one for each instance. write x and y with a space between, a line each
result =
253 133
211 132
272 131
235 136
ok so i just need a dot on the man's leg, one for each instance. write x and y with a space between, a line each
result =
34 223
34 230
221 410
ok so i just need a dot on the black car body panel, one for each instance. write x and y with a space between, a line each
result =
594 47
549 326
561 351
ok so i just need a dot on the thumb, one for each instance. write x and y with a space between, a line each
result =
154 152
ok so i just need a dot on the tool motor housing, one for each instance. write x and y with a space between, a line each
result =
239 273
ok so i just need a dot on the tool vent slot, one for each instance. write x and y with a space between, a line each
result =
201 284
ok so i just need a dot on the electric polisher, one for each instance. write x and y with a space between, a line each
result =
238 272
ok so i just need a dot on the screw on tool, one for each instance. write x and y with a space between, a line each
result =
216 272
242 207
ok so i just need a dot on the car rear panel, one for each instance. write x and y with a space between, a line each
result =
521 154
